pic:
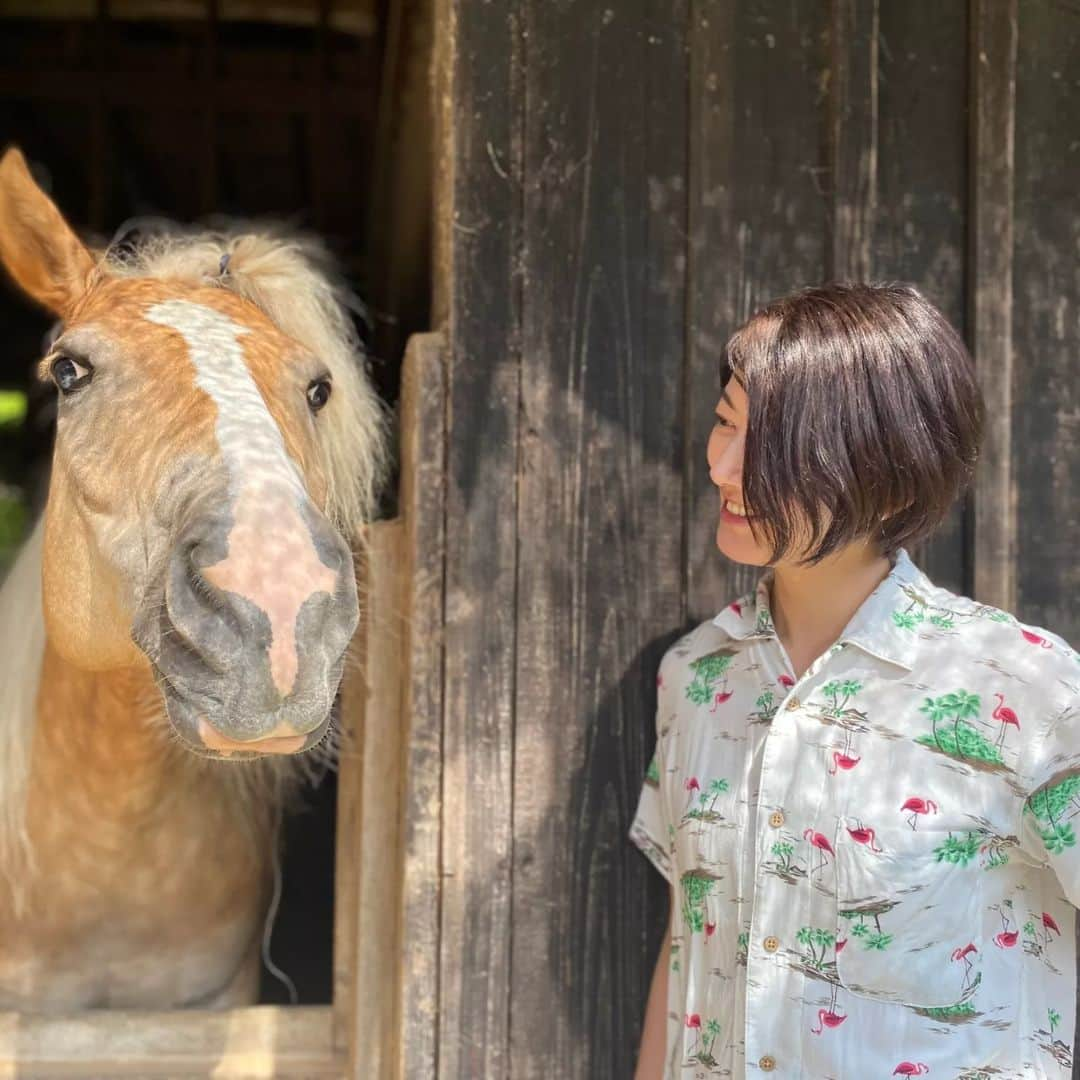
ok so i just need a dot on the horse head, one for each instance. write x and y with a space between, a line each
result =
216 447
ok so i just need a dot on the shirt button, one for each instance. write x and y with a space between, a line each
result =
776 819
793 704
771 944
766 1063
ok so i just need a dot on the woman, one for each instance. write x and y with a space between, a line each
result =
863 783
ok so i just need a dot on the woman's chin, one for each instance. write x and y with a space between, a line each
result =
737 543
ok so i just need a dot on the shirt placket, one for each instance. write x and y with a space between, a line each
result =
773 987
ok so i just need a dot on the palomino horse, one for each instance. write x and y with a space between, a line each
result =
188 598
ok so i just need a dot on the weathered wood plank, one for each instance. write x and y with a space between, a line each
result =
477 289
1046 320
919 233
373 844
238 1044
853 123
600 513
758 191
422 504
993 121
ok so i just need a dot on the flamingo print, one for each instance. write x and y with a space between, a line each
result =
1048 925
964 954
736 607
827 1019
1004 716
693 1022
1035 639
843 761
863 835
693 787
916 806
1007 938
786 681
823 846
910 1068
721 697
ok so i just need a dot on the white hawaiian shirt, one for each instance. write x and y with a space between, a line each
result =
875 866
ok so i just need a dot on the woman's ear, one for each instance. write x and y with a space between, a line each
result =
37 246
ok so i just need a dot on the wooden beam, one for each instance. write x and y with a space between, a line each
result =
235 1044
600 516
477 277
422 509
853 108
994 33
246 95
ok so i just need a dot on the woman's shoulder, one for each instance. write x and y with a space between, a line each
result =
706 639
945 623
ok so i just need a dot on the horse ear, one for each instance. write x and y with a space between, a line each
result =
37 246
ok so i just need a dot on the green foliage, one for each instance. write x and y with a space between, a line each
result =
942 622
12 408
712 668
13 523
698 692
860 930
1050 803
963 742
949 1012
879 942
652 773
695 888
907 620
1054 1018
1057 838
959 850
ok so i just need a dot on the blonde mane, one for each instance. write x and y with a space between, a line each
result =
22 648
290 280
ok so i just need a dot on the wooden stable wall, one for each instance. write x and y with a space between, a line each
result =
621 184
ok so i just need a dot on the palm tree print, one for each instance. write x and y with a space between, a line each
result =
706 808
1050 807
766 706
708 671
962 739
815 942
1054 1018
704 1039
875 939
961 850
697 885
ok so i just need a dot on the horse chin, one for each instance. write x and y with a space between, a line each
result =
199 735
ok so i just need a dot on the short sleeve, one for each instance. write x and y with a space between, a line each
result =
650 829
1051 815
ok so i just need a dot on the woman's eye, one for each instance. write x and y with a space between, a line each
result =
318 394
721 422
70 374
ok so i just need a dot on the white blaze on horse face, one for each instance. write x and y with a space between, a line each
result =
271 559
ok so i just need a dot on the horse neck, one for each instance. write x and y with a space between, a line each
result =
101 742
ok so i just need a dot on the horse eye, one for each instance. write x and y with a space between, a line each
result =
69 374
318 393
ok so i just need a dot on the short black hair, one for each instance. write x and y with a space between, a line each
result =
863 403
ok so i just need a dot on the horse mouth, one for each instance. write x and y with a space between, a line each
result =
193 727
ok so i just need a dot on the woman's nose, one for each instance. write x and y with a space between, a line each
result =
726 461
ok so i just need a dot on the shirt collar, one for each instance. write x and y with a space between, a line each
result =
872 628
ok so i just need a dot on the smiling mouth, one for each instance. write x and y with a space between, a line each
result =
734 512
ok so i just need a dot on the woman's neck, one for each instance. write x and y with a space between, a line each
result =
811 605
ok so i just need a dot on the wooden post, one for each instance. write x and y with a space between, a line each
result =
994 31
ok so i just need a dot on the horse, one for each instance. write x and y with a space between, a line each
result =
173 634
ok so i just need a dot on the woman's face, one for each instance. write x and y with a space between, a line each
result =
727 442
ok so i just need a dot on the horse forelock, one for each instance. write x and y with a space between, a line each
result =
290 280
